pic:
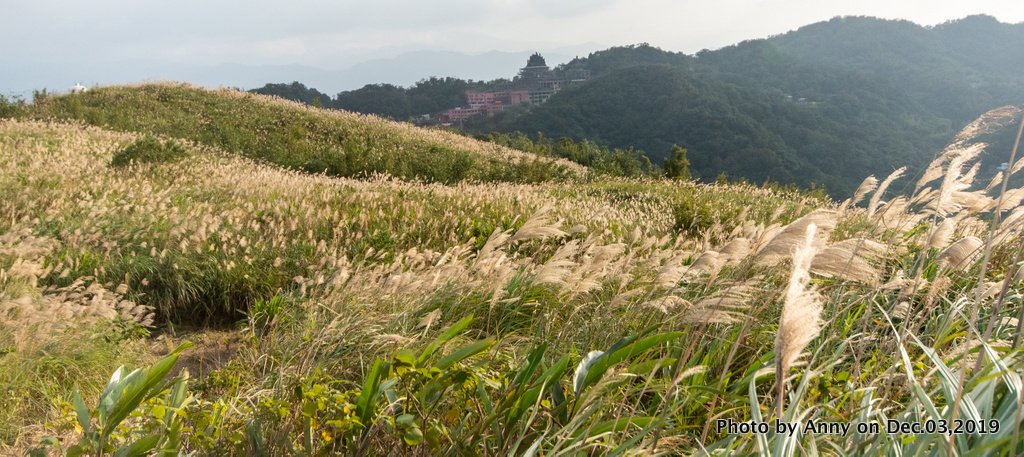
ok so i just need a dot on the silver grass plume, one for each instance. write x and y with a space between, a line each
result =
923 195
724 306
538 226
670 273
876 198
974 202
559 266
1011 199
784 243
893 215
1009 227
941 234
1017 166
944 203
898 280
850 260
800 321
971 174
710 262
667 303
869 184
996 180
958 255
496 240
988 122
735 250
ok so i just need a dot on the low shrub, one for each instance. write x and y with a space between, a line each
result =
148 150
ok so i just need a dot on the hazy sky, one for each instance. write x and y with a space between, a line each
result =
54 35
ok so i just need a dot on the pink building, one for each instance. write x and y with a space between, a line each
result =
480 98
518 97
460 114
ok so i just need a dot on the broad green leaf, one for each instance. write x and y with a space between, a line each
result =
630 350
139 386
82 412
582 369
530 396
444 337
464 352
645 368
110 394
176 400
115 380
618 425
532 363
405 420
368 397
405 357
413 436
140 447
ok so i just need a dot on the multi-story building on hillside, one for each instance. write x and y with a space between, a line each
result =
534 84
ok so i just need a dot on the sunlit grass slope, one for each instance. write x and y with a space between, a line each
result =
211 233
586 317
297 136
92 246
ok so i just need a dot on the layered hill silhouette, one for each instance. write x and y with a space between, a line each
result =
826 104
295 136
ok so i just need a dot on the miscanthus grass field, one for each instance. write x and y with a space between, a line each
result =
165 291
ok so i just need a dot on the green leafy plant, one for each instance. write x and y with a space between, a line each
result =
124 394
148 149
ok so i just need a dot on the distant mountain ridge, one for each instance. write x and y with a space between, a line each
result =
828 103
824 105
332 76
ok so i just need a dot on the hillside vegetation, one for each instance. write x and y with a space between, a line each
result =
823 105
828 103
382 316
295 136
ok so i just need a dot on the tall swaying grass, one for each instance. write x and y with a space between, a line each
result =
586 317
297 136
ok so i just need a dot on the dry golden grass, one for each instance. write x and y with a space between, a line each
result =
368 266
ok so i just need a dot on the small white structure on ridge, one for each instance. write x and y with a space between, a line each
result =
79 88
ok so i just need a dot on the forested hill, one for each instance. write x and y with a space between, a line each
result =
826 104
955 69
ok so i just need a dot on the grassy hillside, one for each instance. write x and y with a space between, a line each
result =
383 316
211 236
826 104
214 233
296 136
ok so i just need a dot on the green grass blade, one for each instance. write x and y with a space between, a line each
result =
444 337
464 352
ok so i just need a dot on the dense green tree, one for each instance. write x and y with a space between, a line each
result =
433 95
617 162
296 91
676 164
382 99
8 107
608 60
